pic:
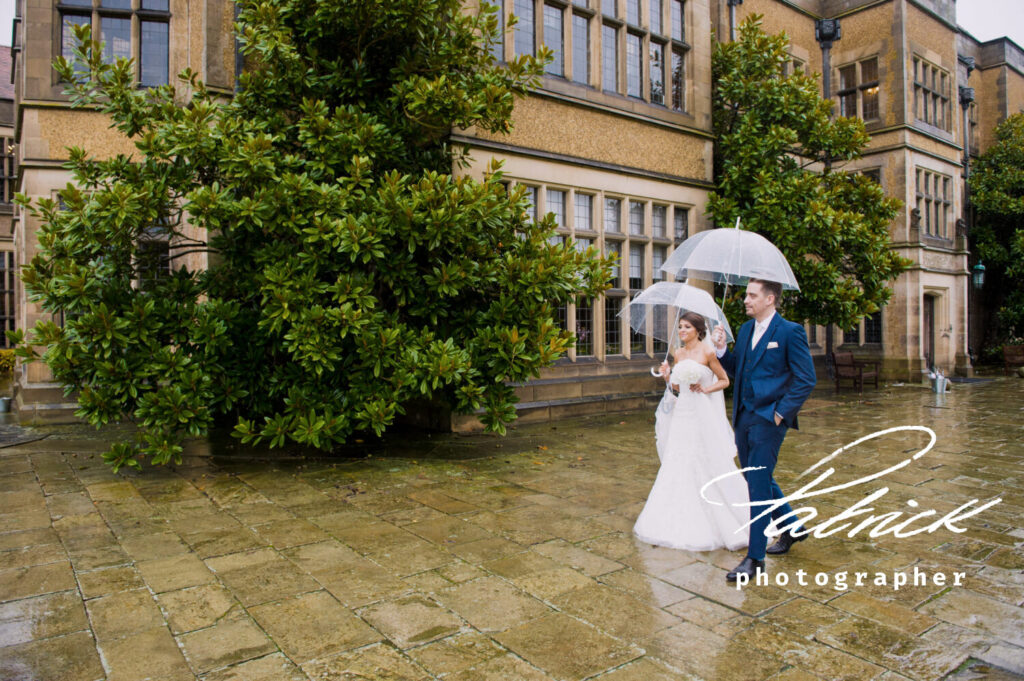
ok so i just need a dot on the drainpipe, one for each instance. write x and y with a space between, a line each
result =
826 32
239 57
966 99
732 19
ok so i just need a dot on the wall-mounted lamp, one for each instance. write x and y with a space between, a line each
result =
978 276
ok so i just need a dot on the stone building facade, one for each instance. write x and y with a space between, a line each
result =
617 143
164 37
899 65
918 81
8 179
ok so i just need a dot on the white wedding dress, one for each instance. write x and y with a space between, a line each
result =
695 444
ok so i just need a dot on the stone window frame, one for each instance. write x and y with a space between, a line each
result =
680 228
609 17
656 66
867 330
532 197
873 328
585 328
874 173
934 95
610 81
612 324
656 16
852 336
8 295
153 256
498 47
657 274
934 201
602 239
155 241
792 65
8 174
677 73
524 31
636 218
812 335
861 90
589 229
559 208
138 12
553 36
578 18
634 60
659 208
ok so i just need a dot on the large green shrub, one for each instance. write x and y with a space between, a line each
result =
997 188
350 271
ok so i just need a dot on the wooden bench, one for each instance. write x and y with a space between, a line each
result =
846 367
1013 356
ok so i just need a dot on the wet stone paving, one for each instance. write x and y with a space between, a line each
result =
480 558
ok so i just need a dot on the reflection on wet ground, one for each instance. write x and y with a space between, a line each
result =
477 558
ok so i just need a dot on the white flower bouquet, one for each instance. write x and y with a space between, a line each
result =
686 373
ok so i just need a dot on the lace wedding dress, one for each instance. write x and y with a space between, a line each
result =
695 444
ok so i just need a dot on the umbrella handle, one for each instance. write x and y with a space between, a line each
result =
656 371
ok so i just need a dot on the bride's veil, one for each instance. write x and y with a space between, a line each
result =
707 340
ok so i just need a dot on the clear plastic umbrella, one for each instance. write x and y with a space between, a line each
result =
655 311
730 256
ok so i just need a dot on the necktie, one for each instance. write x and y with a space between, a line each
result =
758 332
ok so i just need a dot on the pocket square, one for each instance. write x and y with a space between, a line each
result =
771 345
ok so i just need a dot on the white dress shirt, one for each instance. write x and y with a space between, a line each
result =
759 329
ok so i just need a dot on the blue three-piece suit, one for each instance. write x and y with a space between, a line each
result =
775 377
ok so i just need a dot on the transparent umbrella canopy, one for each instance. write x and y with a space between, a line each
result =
655 311
730 256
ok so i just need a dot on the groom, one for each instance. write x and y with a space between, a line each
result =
773 374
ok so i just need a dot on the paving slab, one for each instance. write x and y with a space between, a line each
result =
313 625
411 621
480 563
566 648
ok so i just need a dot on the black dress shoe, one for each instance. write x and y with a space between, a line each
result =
784 543
748 567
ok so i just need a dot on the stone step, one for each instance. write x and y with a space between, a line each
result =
587 367
555 409
581 387
45 394
45 404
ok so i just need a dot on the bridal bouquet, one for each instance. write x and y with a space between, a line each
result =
686 374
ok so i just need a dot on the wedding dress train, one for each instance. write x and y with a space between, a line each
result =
695 444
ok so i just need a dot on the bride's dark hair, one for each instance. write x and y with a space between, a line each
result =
698 323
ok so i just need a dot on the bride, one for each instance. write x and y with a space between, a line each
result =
695 444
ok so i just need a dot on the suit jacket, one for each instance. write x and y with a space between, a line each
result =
780 371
